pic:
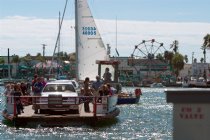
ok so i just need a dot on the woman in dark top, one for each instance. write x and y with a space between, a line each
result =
17 93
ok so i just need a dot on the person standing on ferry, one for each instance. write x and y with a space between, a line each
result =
38 86
87 92
8 94
97 84
107 76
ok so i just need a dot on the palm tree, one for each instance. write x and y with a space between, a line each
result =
204 52
206 45
175 46
206 42
178 63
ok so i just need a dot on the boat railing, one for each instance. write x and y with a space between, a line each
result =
101 104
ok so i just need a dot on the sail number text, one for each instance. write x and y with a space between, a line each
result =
89 30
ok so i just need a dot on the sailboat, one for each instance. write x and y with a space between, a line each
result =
89 44
89 48
92 54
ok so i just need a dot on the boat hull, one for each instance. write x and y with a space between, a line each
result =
47 120
99 111
128 100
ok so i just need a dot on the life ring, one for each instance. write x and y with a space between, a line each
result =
138 92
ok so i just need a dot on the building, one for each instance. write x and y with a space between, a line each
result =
143 70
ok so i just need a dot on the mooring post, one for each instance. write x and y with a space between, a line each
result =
191 113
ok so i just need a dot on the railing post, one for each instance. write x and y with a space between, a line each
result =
14 101
95 106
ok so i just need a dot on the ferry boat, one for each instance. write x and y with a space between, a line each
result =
87 35
105 109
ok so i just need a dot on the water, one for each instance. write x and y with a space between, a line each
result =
151 119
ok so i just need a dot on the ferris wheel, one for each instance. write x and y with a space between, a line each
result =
146 57
148 49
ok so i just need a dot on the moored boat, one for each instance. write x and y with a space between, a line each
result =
157 85
128 100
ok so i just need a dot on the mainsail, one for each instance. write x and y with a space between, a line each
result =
89 44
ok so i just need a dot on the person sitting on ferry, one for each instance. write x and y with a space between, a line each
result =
110 89
105 90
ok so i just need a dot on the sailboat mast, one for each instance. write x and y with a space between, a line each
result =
76 38
58 36
116 33
59 43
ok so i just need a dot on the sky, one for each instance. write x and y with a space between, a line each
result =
27 24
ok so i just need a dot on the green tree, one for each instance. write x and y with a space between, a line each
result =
27 60
40 58
2 61
186 59
16 59
159 57
178 63
202 60
168 56
63 56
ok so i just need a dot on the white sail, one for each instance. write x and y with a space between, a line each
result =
89 45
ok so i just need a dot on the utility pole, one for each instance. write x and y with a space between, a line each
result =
8 57
192 57
44 45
